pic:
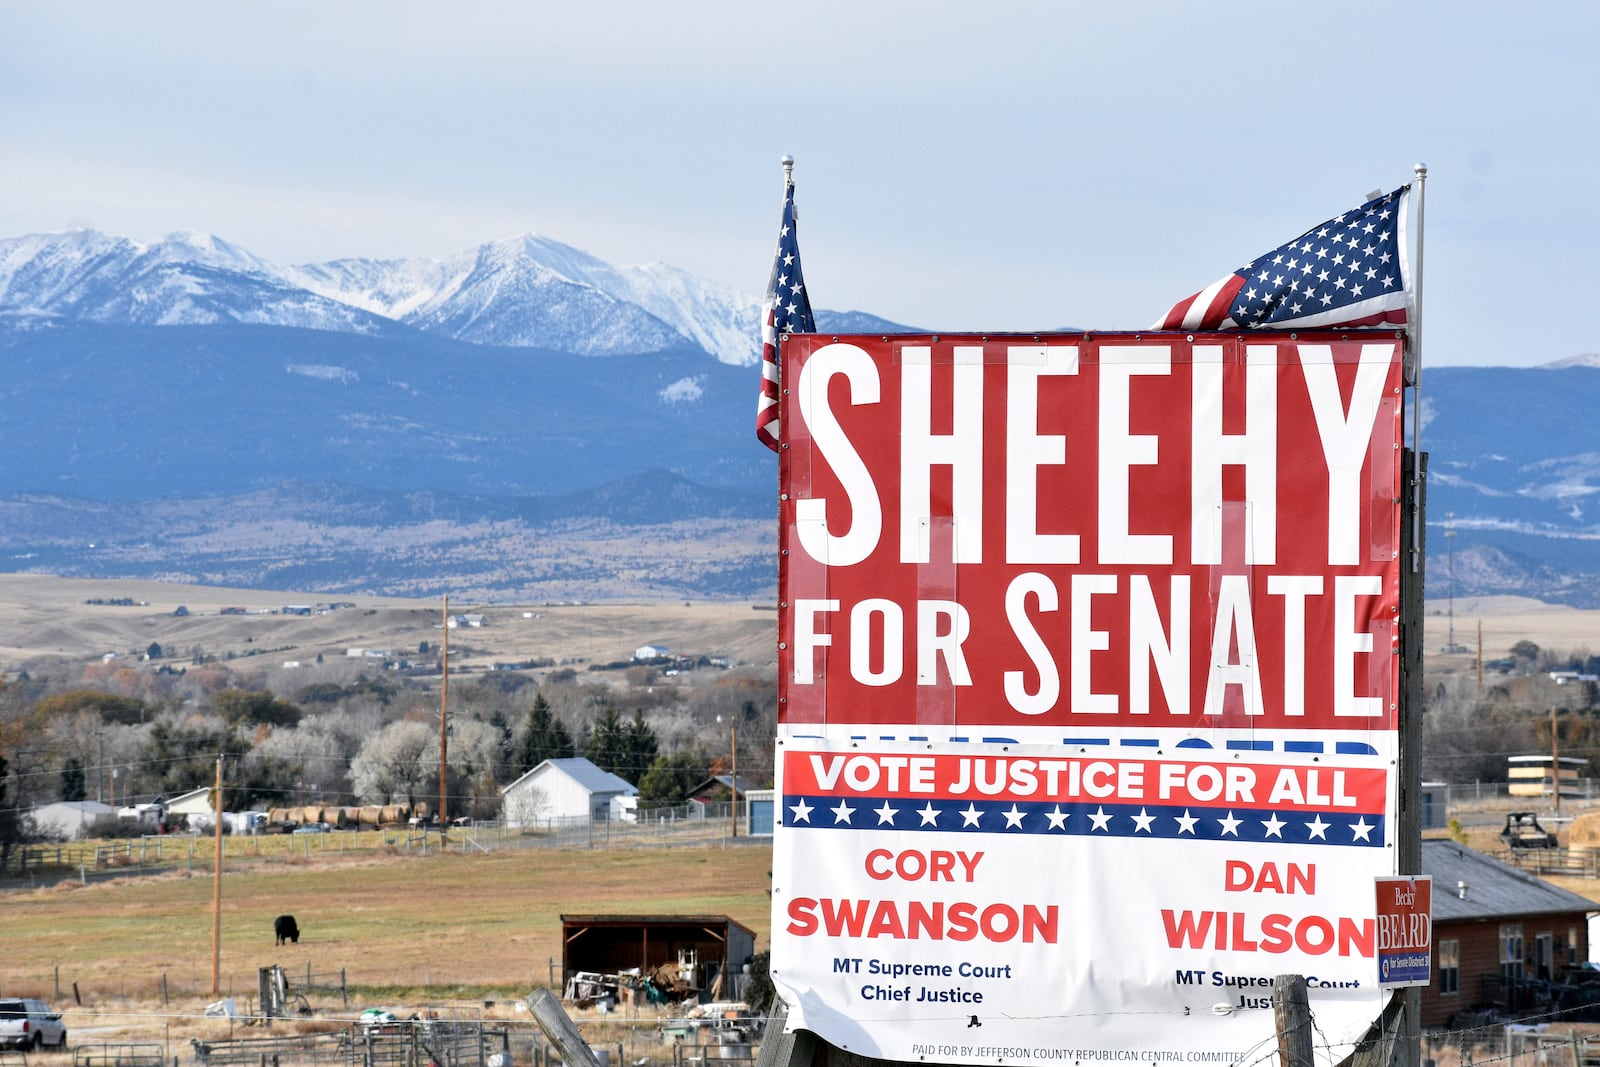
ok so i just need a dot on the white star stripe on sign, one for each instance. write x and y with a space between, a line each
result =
1230 825
1318 829
1362 829
886 814
1013 817
971 816
1186 822
930 815
842 813
1274 826
1058 818
801 811
1101 820
1142 821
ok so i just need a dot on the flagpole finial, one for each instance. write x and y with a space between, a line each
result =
788 170
1420 170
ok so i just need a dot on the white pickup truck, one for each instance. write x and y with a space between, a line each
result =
30 1024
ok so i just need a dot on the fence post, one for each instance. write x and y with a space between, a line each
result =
1292 1015
559 1028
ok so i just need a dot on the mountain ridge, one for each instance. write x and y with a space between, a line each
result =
527 291
147 383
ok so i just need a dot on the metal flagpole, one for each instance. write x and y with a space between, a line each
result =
1414 335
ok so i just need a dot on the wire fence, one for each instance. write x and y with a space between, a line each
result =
693 823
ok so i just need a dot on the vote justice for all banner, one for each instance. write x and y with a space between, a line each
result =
1029 904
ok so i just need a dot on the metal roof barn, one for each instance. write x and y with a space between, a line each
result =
609 944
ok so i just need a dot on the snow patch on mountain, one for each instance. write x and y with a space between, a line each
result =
684 390
326 373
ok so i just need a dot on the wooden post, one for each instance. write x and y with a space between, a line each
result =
1412 643
1555 761
1291 1014
444 727
560 1030
216 892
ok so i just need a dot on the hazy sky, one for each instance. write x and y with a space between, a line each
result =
960 166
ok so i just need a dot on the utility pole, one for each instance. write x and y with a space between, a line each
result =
216 889
1450 542
733 785
1555 761
1480 655
444 700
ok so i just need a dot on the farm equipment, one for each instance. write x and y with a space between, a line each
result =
1523 831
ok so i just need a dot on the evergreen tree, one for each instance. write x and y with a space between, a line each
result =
670 778
72 785
642 747
10 815
543 737
608 744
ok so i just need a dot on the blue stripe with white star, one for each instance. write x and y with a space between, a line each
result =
1084 820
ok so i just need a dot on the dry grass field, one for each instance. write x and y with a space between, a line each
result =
131 959
42 616
409 931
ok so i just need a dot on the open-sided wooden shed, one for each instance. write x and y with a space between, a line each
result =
611 944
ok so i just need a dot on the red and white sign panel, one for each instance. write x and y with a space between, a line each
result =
1127 531
982 903
1088 689
1405 930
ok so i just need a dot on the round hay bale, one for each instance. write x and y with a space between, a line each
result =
370 815
420 810
1584 831
393 815
338 818
278 815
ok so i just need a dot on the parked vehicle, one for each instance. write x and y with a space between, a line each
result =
30 1024
1523 831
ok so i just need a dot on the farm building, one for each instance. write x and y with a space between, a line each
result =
562 789
194 802
719 785
68 818
760 805
695 949
1502 938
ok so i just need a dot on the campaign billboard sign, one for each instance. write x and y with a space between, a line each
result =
1148 532
1088 688
1405 930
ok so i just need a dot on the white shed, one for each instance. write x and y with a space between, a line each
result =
652 652
194 802
68 818
563 789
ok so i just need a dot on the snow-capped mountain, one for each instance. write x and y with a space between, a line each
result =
187 279
528 291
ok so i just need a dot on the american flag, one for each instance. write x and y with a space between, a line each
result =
787 309
1349 271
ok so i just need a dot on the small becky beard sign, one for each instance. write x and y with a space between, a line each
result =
1405 930
1088 690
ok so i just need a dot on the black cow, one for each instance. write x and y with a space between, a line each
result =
284 926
